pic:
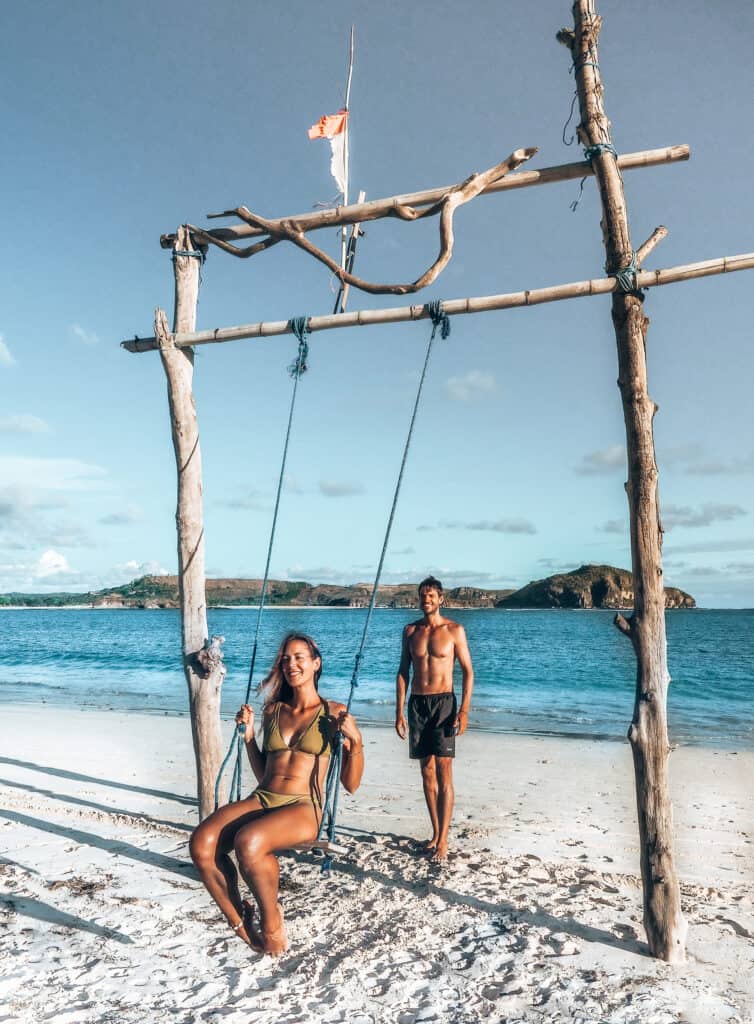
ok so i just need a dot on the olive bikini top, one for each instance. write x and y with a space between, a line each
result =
314 739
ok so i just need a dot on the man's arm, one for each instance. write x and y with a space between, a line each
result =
401 685
463 655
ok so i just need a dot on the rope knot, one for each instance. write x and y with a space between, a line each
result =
438 318
597 149
195 254
626 277
300 327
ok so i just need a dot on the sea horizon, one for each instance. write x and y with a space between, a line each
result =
538 672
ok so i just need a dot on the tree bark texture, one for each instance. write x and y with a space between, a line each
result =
202 663
663 921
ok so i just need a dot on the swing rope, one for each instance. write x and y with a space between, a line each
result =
332 785
296 370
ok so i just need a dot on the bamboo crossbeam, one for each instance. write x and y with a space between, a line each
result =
376 208
456 307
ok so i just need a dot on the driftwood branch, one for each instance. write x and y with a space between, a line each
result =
654 239
290 231
377 208
455 307
623 624
202 661
663 916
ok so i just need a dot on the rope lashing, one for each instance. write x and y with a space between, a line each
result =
300 327
596 149
626 277
439 319
195 254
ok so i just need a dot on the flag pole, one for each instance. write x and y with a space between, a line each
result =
346 142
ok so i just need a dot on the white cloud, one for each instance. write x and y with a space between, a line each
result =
474 384
133 570
23 525
711 546
51 572
339 488
291 485
692 460
51 563
23 423
252 500
606 461
491 526
84 336
684 515
124 517
347 577
50 474
614 526
6 359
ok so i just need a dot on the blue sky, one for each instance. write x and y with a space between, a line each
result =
121 121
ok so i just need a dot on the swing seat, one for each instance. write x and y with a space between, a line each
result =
321 847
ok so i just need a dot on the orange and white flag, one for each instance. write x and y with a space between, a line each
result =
333 128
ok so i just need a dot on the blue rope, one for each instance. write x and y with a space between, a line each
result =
589 153
332 787
585 64
195 254
300 327
598 148
626 277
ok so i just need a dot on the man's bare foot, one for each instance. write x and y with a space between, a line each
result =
440 854
275 939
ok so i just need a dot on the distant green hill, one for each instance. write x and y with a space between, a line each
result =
591 586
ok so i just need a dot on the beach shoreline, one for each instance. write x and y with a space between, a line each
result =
536 916
737 746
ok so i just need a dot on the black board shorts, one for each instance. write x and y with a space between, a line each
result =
431 725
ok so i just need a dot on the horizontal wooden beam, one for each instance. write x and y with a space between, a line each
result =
375 208
455 307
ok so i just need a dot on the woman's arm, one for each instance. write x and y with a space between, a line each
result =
352 767
257 758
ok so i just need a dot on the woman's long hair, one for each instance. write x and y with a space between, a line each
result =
274 686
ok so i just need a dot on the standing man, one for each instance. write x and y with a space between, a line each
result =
430 647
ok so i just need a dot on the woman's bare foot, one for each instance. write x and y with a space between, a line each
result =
275 939
244 932
254 938
428 846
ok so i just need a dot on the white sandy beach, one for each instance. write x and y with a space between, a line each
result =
536 916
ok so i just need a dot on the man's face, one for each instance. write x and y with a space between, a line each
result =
429 600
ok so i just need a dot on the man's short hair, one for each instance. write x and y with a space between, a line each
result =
431 583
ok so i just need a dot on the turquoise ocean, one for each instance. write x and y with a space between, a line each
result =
566 673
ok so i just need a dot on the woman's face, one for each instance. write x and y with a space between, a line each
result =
298 665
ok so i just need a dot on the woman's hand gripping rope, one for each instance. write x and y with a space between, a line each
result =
245 723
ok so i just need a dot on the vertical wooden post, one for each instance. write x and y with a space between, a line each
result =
202 661
648 734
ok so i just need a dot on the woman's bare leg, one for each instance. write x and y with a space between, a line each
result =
210 845
255 846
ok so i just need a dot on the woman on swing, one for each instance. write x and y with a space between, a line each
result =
298 733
